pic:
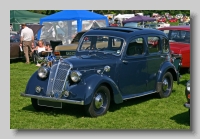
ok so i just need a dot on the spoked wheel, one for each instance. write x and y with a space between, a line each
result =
167 85
100 102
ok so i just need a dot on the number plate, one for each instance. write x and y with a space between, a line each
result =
70 53
50 104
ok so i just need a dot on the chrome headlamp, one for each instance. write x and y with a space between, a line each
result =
75 76
188 86
43 72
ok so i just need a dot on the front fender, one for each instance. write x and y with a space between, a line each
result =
91 83
34 81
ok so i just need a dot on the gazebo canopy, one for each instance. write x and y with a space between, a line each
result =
18 17
65 24
138 18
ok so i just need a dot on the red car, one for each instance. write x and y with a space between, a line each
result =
162 19
173 20
179 37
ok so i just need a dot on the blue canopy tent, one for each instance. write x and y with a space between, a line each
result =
70 20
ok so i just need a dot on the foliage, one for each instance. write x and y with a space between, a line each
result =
45 12
148 112
146 12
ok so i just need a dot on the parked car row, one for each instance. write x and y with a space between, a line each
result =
125 63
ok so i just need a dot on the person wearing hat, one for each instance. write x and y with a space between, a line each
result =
27 40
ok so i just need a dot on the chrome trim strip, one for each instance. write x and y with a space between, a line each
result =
68 71
139 95
55 77
53 99
49 76
90 69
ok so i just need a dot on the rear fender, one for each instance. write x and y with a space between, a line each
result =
167 66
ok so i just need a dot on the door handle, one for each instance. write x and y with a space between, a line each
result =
124 61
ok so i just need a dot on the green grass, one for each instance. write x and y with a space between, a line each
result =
148 112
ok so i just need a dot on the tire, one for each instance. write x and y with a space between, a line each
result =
167 85
100 102
35 105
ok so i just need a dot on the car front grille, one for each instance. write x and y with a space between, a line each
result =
57 79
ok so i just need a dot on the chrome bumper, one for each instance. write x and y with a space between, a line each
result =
53 99
187 105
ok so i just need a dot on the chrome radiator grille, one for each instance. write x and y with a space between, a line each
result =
57 79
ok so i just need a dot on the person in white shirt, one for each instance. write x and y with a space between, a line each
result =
27 39
41 48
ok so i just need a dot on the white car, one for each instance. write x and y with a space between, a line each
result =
162 24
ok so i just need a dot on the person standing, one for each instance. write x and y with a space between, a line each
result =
27 40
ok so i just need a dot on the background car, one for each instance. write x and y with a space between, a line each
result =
14 36
179 37
173 20
15 51
153 26
162 19
69 49
184 24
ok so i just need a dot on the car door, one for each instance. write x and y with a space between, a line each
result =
154 60
133 68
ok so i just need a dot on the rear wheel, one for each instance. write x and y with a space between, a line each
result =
167 85
100 102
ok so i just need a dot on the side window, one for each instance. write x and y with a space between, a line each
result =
135 47
153 44
180 36
165 45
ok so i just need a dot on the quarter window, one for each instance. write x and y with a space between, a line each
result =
165 45
153 44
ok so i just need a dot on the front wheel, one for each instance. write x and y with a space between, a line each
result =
100 102
167 85
35 105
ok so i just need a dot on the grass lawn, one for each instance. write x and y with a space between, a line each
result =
148 112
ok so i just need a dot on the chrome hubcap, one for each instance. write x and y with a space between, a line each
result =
98 101
165 85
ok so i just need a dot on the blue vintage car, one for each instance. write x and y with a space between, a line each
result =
114 64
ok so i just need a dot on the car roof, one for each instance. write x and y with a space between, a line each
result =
187 28
123 32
